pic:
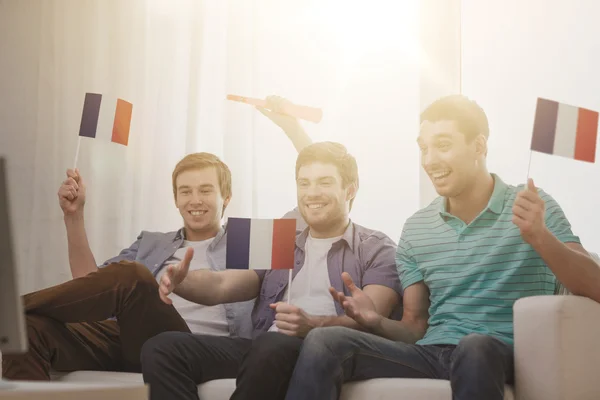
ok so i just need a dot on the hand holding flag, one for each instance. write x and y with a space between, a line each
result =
358 306
174 275
71 194
529 214
303 112
293 321
273 110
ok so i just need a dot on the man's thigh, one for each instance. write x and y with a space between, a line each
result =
364 356
206 357
89 346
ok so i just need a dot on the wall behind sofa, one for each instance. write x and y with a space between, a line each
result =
176 61
514 51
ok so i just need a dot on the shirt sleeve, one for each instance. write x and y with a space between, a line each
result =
128 254
408 271
556 221
261 275
379 251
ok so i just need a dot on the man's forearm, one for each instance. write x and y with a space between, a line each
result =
200 287
399 331
81 259
322 321
298 136
574 269
219 287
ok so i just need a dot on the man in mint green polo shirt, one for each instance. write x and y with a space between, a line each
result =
463 261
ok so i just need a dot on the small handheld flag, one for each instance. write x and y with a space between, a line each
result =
254 243
91 115
565 130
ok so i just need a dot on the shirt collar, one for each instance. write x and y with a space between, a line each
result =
495 204
180 235
348 237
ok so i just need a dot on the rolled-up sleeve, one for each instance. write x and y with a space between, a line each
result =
379 252
556 221
407 268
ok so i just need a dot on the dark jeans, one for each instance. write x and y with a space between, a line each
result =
478 367
69 330
175 363
267 367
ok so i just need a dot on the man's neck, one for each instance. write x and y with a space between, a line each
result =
469 204
334 230
199 236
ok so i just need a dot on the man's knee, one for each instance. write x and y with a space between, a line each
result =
477 348
271 346
330 339
158 351
131 273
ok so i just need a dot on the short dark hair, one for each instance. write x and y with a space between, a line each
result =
331 153
468 115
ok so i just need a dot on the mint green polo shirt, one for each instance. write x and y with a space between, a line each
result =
476 272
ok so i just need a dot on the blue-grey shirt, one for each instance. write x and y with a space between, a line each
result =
367 255
153 249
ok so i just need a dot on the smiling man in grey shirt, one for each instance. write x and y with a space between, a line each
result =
101 318
70 326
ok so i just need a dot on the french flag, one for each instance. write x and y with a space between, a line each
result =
255 243
114 113
565 130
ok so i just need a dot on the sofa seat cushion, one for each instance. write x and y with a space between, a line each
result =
374 389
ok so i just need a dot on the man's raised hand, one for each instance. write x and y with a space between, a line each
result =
174 275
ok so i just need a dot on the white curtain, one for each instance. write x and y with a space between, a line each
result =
176 61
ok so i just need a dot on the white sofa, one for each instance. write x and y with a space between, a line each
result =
557 356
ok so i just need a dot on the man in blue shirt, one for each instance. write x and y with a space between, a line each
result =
463 261
70 326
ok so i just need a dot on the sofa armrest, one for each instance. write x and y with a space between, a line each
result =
557 348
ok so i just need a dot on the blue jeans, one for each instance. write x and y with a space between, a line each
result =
478 367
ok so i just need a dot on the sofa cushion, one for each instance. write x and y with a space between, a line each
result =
374 389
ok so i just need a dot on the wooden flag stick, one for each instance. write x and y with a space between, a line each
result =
77 152
290 287
311 114
529 166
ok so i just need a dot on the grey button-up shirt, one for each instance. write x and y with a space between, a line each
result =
367 255
153 249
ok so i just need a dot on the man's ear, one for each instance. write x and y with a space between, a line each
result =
481 145
351 191
225 204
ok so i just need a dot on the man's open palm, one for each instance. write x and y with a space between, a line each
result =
174 275
358 306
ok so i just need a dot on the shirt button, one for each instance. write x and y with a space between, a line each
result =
298 262
156 265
